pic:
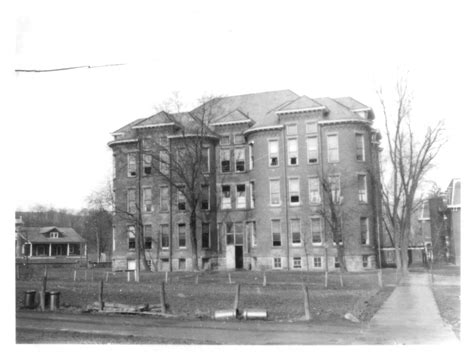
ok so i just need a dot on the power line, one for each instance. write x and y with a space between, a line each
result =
67 68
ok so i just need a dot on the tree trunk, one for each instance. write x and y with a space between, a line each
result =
193 225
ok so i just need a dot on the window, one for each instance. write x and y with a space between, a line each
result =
147 165
333 148
365 261
295 231
239 139
294 188
165 236
131 237
239 154
312 149
205 194
205 160
297 262
276 233
147 143
275 192
182 235
335 186
182 263
316 231
114 166
225 140
132 164
362 188
251 156
205 236
181 199
164 198
314 193
273 153
317 262
360 152
277 262
164 162
336 262
225 160
252 194
251 234
234 233
292 151
364 230
148 236
311 127
291 129
131 201
226 198
53 235
241 196
163 141
147 203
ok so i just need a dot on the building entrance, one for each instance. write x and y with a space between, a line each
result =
239 257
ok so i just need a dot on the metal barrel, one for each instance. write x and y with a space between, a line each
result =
54 300
29 300
225 314
255 314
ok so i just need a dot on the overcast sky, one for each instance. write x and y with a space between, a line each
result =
328 48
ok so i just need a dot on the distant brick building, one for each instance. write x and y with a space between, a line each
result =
264 199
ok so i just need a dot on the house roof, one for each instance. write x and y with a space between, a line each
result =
40 235
262 108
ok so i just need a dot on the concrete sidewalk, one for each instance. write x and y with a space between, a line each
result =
410 316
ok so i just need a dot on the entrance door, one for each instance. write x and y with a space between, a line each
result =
239 257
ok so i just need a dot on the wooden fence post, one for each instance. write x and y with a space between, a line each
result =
43 291
380 278
163 298
166 277
101 295
75 275
341 281
106 276
325 279
196 281
237 298
264 278
128 276
307 312
230 278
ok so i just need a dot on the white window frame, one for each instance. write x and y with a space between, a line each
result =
161 235
362 192
241 201
252 225
273 223
293 193
309 123
336 193
276 154
222 141
145 238
203 224
164 162
131 205
275 180
131 231
360 135
236 135
320 259
333 152
207 168
185 235
147 159
131 163
167 199
252 194
251 159
309 152
206 195
180 197
292 231
147 203
295 260
294 153
226 202
53 235
320 243
366 264
316 190
277 260
294 127
364 221
221 157
239 150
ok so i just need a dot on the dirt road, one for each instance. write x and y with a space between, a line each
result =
36 327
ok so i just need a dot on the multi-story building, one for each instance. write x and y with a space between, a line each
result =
263 205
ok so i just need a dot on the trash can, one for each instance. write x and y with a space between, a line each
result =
54 300
29 300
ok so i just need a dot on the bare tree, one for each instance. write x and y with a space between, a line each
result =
332 213
408 162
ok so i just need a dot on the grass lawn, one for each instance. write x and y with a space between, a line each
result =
447 290
282 297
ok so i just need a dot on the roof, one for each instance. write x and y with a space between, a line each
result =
257 110
40 235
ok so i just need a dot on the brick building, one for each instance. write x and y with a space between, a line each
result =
263 205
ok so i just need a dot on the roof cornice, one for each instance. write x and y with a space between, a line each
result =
120 142
307 109
230 123
154 125
345 120
264 128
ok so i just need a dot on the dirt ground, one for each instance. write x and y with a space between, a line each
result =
282 297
